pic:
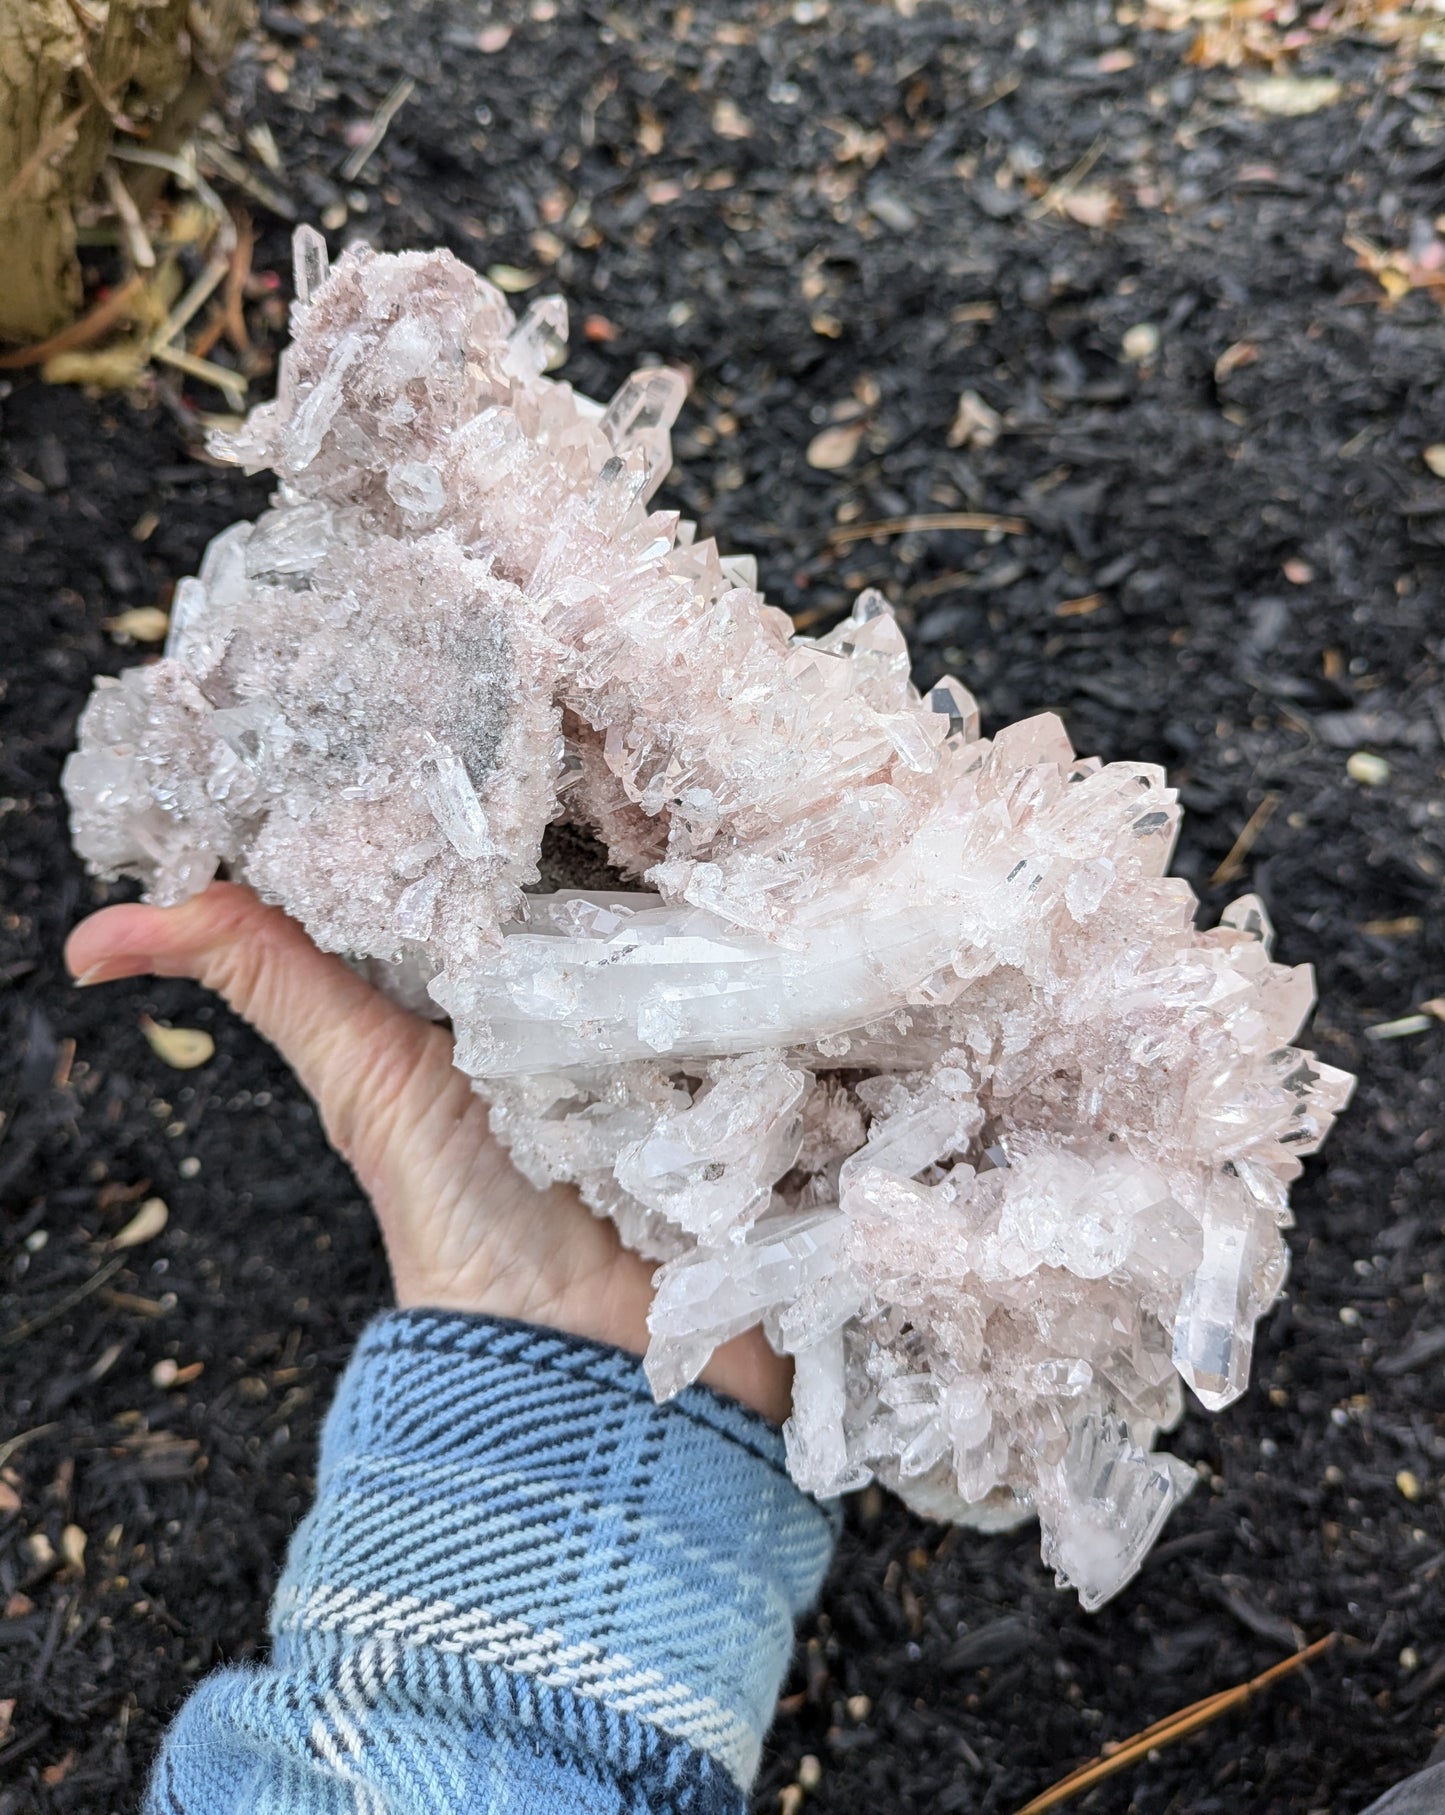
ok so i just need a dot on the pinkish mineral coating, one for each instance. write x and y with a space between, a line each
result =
909 1049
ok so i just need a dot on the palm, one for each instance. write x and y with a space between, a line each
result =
463 1230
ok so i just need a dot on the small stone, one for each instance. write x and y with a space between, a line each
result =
1408 1484
859 1707
164 1373
1434 458
810 1772
72 1547
1369 770
1140 343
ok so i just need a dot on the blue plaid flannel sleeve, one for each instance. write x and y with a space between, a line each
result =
524 1587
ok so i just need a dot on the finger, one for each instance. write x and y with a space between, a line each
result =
352 1048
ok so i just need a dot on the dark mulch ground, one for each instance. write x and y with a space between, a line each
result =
1266 550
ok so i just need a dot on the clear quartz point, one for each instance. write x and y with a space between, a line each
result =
538 343
893 1040
310 262
639 417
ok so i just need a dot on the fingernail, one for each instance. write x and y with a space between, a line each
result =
112 970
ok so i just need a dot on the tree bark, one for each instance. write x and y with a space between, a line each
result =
68 82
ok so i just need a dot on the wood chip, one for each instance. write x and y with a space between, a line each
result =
144 1226
182 1048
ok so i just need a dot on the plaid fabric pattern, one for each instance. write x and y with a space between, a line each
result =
523 1587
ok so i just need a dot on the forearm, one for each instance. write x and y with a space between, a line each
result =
523 1586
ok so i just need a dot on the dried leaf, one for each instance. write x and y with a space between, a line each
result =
1242 353
58 1772
835 448
182 1048
1288 97
975 424
144 1226
142 623
1094 206
728 122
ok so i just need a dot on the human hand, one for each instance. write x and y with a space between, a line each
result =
463 1230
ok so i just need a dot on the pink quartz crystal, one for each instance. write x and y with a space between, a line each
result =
894 1038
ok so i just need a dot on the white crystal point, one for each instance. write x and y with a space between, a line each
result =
1104 1506
639 417
891 1039
538 343
310 263
1249 915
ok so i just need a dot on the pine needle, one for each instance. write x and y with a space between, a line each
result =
1174 1726
1232 867
907 526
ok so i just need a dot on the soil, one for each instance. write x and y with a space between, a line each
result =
1229 562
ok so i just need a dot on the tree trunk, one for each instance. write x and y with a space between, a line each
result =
68 82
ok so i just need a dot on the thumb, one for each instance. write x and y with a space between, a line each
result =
352 1048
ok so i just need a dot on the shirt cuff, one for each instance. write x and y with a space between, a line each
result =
513 1500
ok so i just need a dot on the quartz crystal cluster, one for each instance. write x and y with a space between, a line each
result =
891 1037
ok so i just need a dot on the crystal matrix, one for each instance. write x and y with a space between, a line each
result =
892 1037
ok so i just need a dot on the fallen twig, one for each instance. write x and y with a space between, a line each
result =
907 526
1173 1727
